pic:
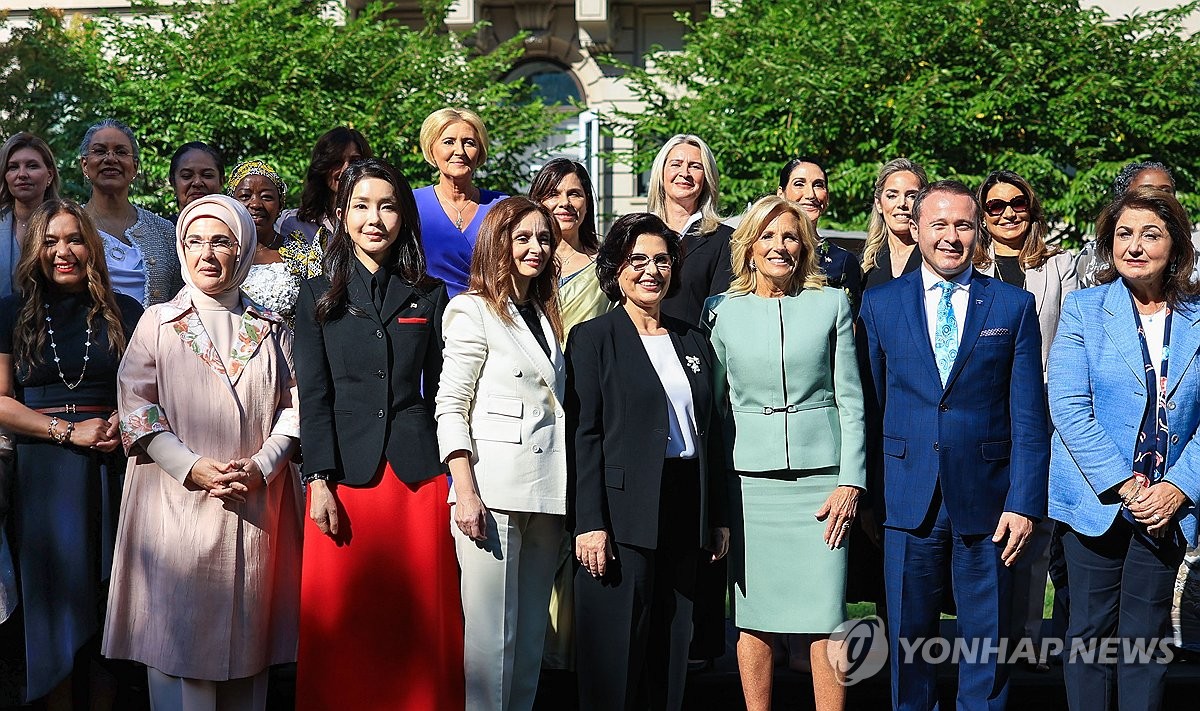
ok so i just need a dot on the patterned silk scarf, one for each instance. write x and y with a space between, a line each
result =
1150 452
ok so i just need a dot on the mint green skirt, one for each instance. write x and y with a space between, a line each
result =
782 576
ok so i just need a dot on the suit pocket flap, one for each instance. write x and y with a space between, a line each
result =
495 429
507 406
894 446
996 451
614 477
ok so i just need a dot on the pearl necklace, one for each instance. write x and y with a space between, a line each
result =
87 347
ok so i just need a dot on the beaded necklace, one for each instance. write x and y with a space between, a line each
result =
87 348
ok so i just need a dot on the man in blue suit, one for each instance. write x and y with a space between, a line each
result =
958 447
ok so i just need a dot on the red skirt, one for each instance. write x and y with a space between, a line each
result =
380 615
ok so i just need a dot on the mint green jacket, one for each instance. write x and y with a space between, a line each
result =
786 380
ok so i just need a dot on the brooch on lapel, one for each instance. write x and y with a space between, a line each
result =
693 362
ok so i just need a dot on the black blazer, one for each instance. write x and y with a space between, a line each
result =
367 382
617 418
705 272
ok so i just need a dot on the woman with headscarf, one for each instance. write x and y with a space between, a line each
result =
206 574
281 262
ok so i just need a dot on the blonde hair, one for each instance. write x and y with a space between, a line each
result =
877 228
808 274
709 193
437 122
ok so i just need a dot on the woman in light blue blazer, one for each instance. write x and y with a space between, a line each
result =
787 381
1125 460
502 430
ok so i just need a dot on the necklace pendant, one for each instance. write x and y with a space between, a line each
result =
458 224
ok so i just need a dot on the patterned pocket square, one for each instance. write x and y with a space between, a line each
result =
985 333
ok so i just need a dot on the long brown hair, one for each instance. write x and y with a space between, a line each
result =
1177 282
1034 250
29 334
492 262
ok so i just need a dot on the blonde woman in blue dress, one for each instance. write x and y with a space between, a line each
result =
787 382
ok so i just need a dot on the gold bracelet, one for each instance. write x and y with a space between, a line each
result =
52 431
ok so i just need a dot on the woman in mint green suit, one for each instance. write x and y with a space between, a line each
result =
787 380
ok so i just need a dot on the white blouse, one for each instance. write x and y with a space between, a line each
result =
681 413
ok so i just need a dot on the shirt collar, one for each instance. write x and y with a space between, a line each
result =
930 280
691 221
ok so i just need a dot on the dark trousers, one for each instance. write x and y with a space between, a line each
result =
633 626
1121 586
920 565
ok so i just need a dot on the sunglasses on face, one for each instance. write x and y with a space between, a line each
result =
996 208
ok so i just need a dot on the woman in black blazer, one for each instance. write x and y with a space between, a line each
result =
646 491
379 588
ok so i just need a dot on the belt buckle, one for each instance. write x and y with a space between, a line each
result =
69 409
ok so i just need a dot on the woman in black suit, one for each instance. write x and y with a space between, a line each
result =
379 589
645 489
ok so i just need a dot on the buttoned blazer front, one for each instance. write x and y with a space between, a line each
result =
982 439
501 400
617 411
786 383
367 381
1049 284
1097 400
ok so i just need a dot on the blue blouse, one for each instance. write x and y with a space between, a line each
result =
447 250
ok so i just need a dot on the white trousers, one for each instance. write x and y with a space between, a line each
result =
173 693
506 582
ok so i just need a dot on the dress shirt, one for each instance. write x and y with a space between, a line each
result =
958 298
681 412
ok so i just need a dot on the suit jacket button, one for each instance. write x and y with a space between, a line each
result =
558 413
516 372
536 412
1175 439
150 261
380 373
943 407
1171 405
379 414
935 446
378 333
537 449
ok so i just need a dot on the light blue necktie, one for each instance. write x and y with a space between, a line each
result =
945 337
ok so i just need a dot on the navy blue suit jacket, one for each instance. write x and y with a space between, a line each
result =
983 438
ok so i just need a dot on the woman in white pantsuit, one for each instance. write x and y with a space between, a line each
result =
502 432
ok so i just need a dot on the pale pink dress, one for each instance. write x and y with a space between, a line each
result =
201 588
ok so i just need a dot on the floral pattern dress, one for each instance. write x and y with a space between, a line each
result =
276 286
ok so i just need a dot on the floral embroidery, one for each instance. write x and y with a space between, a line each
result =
145 420
254 326
693 362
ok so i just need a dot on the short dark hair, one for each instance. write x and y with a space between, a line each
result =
954 187
786 171
619 241
1130 171
546 184
201 146
1178 285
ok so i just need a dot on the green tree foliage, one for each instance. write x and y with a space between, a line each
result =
1061 94
261 79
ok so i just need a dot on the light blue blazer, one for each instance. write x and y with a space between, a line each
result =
1097 388
10 253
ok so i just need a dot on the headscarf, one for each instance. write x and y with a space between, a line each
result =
255 167
235 216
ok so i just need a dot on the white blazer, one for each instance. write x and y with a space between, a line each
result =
501 399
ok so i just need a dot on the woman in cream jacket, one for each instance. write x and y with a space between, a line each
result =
502 432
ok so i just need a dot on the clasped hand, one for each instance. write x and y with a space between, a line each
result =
1154 506
231 480
97 433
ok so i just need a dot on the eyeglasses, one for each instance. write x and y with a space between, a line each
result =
639 262
119 152
220 245
996 208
